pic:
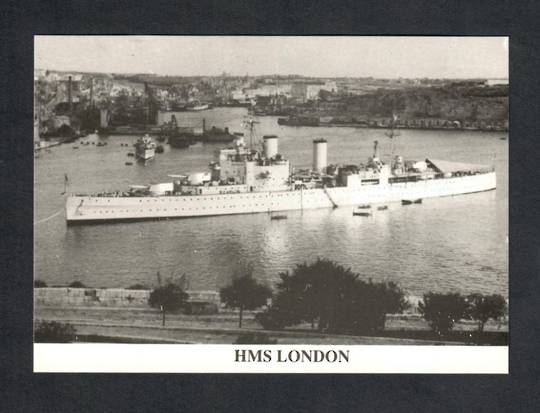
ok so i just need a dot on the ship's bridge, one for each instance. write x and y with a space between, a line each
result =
266 171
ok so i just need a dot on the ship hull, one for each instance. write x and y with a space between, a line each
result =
94 209
145 154
197 108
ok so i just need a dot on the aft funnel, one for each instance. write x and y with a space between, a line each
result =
270 146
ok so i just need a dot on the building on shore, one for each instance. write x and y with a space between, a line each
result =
303 92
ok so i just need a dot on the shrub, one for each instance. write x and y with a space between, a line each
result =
442 311
255 338
270 319
40 284
53 332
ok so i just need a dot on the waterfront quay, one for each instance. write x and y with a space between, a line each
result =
71 104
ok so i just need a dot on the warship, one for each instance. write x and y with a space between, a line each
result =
243 180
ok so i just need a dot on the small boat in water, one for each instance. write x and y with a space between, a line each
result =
365 206
278 217
196 106
382 208
128 163
361 214
145 148
410 202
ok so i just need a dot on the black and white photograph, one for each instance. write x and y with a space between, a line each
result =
281 201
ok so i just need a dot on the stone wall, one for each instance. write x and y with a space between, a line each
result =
107 297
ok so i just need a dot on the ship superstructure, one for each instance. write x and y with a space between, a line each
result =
244 180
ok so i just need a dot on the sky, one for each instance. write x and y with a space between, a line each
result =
316 56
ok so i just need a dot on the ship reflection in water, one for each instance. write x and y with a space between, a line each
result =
445 243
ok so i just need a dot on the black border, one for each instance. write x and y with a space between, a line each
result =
24 391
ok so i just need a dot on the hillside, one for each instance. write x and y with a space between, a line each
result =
452 102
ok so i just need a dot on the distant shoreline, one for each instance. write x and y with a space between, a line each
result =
362 126
128 130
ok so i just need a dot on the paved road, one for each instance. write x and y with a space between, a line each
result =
145 325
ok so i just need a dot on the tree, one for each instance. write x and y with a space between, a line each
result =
334 297
245 293
483 307
168 297
442 311
370 303
54 332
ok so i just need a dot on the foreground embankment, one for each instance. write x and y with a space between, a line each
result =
123 315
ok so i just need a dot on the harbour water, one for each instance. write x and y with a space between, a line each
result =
447 244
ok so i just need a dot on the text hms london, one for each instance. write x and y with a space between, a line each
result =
243 180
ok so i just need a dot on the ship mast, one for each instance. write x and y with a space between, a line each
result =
392 134
145 105
66 183
251 124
